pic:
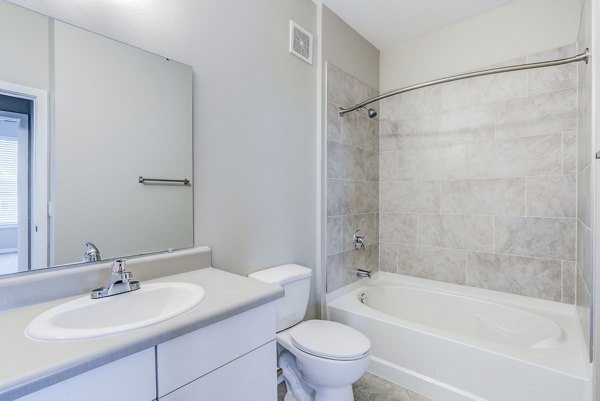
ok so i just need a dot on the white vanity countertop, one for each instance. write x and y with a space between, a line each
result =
29 365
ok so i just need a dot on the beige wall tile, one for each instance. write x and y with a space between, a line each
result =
393 136
344 89
540 278
388 165
398 228
519 157
569 143
484 196
339 271
410 196
372 165
545 80
551 196
471 124
334 235
552 238
388 257
432 263
339 197
569 281
414 103
334 123
345 161
432 162
351 197
360 131
551 113
369 193
484 90
472 233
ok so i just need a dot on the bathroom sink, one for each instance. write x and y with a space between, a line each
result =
88 318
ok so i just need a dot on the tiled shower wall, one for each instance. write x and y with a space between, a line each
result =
352 180
478 181
584 180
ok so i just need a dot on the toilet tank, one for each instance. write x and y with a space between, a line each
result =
295 280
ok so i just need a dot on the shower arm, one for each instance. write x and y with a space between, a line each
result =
580 57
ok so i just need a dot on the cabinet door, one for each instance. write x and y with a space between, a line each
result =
252 377
184 359
132 378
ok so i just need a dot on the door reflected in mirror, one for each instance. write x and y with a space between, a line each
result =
15 184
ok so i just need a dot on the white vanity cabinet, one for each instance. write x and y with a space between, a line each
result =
230 360
132 378
248 378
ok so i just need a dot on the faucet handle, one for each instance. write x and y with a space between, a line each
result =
358 239
118 266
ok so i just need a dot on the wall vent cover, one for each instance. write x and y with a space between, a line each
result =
301 42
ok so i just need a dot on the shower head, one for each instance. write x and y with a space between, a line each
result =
371 111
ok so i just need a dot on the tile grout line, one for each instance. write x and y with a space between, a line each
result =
493 234
475 251
526 198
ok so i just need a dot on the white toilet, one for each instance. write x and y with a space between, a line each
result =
320 359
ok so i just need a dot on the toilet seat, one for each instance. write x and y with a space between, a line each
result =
330 340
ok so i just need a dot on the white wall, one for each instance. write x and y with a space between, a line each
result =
520 28
24 47
347 49
254 116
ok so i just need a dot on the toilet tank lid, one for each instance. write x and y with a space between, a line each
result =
282 274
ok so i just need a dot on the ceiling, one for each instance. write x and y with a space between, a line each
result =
386 23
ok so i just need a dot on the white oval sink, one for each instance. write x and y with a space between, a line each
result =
88 318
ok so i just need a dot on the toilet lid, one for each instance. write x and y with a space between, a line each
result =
330 340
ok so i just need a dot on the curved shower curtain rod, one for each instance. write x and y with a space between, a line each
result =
580 57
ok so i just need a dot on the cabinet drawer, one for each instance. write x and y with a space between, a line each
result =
131 378
193 355
252 377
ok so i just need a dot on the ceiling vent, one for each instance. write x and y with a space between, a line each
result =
301 42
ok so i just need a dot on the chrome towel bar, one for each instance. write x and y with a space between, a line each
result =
143 180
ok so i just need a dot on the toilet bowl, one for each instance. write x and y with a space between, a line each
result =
320 359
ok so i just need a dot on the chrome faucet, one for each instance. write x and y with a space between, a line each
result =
92 254
119 281
363 273
359 240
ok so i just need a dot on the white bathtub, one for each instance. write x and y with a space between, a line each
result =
456 343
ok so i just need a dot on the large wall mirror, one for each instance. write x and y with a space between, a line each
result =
82 118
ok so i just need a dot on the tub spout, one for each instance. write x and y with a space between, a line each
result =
363 273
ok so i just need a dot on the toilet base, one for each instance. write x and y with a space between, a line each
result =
289 397
334 394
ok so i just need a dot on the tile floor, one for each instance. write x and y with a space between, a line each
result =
374 388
